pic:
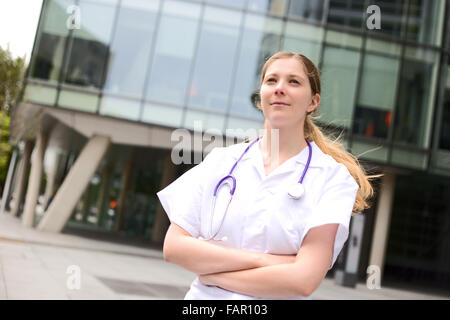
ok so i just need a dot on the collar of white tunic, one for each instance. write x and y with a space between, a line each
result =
318 158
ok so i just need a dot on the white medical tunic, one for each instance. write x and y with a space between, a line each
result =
261 217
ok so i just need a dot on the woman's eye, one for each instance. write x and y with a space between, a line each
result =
295 81
271 80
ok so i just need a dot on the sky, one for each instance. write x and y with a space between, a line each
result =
18 24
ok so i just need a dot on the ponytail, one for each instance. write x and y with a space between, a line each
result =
336 150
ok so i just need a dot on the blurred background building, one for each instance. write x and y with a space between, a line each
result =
110 80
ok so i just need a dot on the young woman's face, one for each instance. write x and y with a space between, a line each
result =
286 94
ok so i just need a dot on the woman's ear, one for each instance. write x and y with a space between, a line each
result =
315 101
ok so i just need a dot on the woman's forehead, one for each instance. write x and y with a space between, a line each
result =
286 66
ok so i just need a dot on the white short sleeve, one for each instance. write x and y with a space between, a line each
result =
182 199
335 206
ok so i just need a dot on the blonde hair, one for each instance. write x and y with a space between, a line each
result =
334 148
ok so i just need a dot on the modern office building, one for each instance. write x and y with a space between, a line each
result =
109 81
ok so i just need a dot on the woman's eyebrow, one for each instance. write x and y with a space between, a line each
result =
293 75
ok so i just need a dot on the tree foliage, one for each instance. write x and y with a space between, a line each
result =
11 76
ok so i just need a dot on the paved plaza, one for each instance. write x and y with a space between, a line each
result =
41 265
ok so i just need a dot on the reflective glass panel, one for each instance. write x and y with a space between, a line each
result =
48 56
89 48
174 51
444 140
347 12
416 89
339 74
232 3
130 47
307 9
261 39
278 7
376 97
210 86
425 21
303 38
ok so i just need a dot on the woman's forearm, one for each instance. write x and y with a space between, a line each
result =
203 257
277 281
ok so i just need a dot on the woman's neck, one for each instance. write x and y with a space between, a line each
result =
278 145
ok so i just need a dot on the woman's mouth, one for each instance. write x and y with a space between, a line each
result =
279 104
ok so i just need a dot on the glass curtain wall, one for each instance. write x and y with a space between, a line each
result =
129 58
444 138
260 39
87 54
340 69
418 250
214 64
417 87
171 64
47 61
378 88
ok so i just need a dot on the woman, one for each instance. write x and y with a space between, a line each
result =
289 215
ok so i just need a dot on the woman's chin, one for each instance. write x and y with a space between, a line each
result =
280 123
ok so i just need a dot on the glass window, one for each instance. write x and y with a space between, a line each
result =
119 107
130 47
339 75
261 39
376 99
89 48
418 248
348 13
447 33
210 86
278 7
412 121
307 9
303 38
232 3
53 32
174 52
425 21
444 140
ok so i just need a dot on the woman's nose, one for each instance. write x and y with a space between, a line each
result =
279 89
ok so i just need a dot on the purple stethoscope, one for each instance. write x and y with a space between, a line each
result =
296 191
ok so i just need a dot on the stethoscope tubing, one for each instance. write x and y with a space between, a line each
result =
233 189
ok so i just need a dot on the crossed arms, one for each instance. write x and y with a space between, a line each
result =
253 273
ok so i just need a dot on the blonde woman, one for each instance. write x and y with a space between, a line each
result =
254 224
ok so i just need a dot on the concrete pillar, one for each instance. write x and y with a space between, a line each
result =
8 182
21 178
51 176
74 184
128 170
34 181
382 221
161 222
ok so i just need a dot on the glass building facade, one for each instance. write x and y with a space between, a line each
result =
171 63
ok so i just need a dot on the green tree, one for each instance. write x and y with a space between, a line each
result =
11 76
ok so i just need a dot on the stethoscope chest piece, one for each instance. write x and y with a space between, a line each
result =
296 191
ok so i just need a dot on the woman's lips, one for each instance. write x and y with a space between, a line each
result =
279 104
